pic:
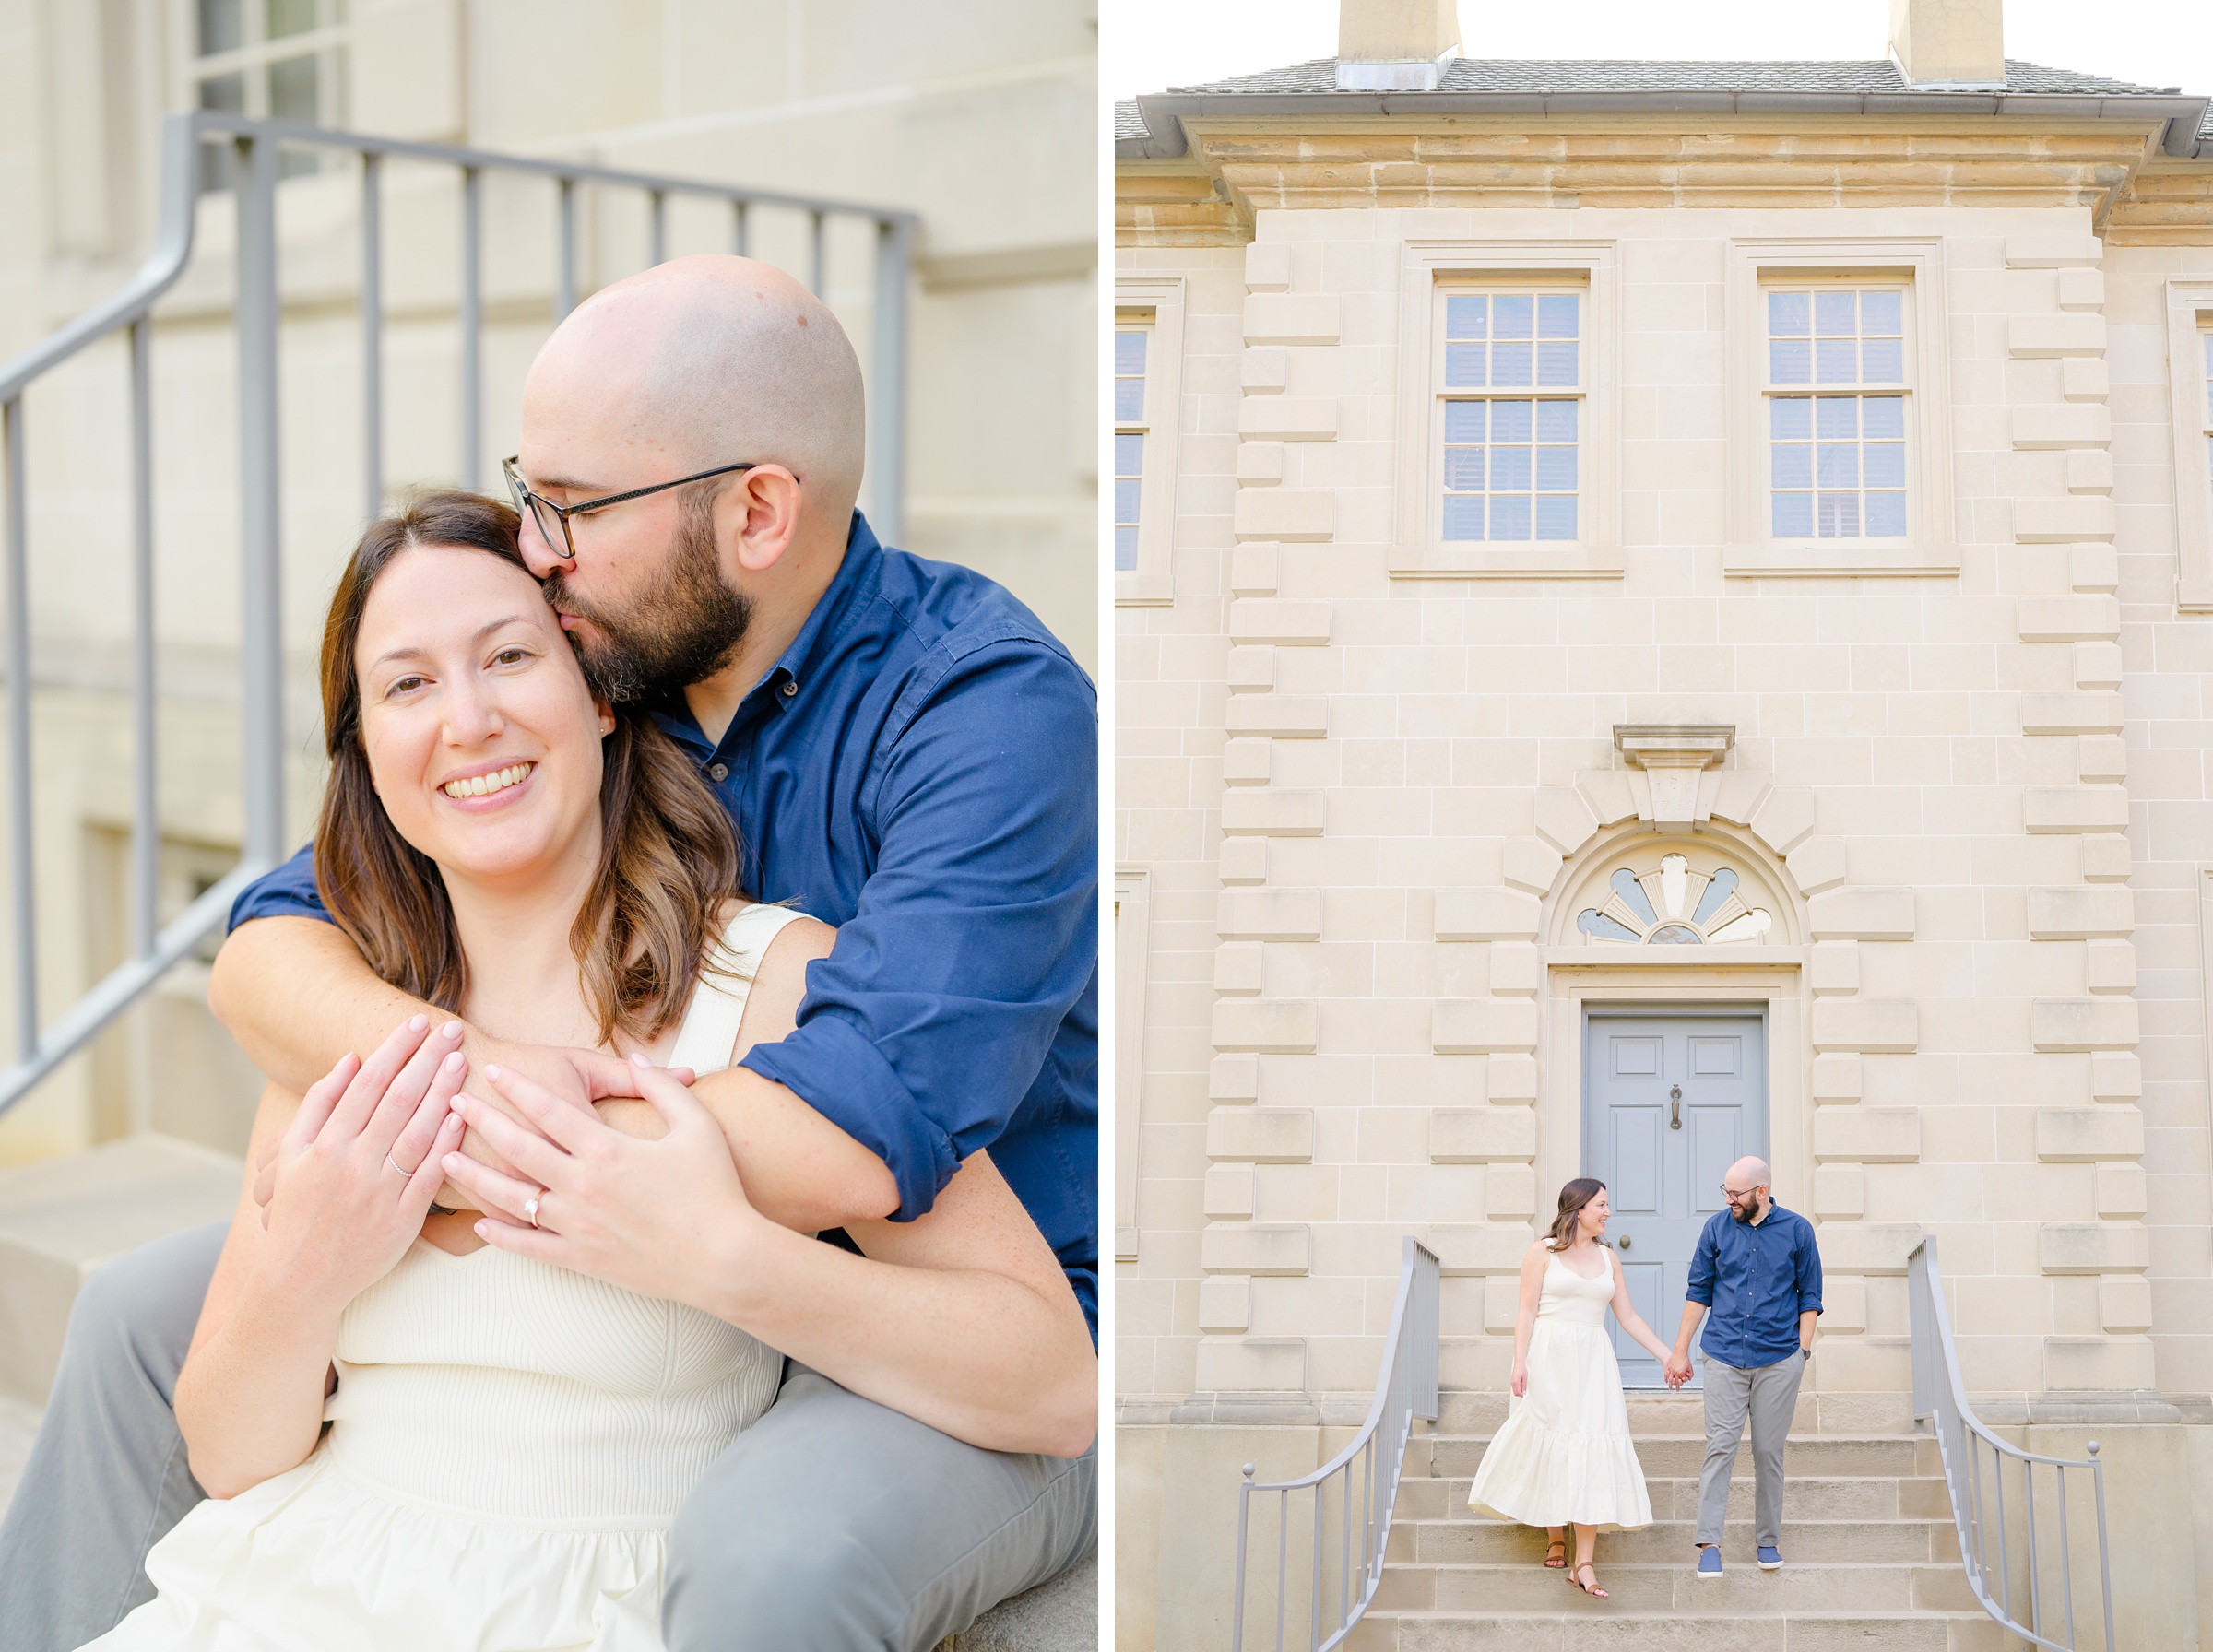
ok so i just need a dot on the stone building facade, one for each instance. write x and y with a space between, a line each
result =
1649 577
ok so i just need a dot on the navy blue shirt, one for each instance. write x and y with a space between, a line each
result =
920 770
1756 1280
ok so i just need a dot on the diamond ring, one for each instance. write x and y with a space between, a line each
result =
530 1209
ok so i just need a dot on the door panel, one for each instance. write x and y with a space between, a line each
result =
1670 1102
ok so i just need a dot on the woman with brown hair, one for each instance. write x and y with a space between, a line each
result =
1564 1457
416 1429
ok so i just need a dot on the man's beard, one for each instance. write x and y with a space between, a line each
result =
1743 1212
683 629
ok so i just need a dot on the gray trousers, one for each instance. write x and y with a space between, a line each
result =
832 1524
1769 1394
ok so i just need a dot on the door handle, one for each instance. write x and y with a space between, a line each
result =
1625 1242
1674 1107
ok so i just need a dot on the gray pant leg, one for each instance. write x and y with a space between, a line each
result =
1774 1398
838 1525
1728 1394
107 1476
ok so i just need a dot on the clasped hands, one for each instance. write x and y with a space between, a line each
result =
1676 1367
617 1206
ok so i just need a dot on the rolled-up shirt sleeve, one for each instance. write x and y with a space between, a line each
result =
1700 1288
1809 1271
286 892
976 930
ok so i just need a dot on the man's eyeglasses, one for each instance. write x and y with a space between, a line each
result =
553 520
1736 1196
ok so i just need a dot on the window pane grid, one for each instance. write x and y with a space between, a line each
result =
1511 465
1837 460
1129 445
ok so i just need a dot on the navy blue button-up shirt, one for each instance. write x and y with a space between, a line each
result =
1756 1280
920 770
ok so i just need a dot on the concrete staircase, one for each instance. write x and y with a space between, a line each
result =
1873 1557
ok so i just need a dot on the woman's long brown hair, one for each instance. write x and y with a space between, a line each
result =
668 857
1573 1198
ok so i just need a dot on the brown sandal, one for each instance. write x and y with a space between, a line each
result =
1592 1588
1555 1553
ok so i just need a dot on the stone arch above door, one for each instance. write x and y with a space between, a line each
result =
1644 890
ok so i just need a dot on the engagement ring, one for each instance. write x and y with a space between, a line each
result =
530 1208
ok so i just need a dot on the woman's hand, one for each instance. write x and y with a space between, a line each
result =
647 1215
1521 1383
354 1172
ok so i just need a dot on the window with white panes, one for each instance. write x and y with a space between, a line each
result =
1131 340
271 59
1510 395
1836 394
2205 405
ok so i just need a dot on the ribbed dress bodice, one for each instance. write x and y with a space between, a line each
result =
1571 1299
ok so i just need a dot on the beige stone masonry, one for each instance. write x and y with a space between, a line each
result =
2116 1076
1264 371
2082 1023
2094 568
1517 969
1269 913
2125 1302
2083 379
1260 464
1484 915
1249 670
2092 1247
1819 864
2081 290
2065 714
1837 1079
1268 266
2068 619
1280 717
1264 1135
1270 813
1479 1026
2052 251
2120 1190
2097 666
2089 471
1240 968
1478 1247
1301 513
1873 1025
2082 1135
1288 418
1225 1303
1833 968
2105 858
1839 1194
1861 914
2080 914
1873 1248
2060 809
2101 757
1304 318
2067 425
1784 818
1246 763
1529 865
1280 1026
1512 1078
1256 1364
1255 568
2057 521
1483 1135
1258 1247
1871 1135
2029 337
1288 624
2110 966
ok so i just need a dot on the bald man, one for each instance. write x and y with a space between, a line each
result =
1758 1269
904 752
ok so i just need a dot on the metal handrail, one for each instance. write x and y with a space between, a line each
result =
1405 1388
1941 1401
155 947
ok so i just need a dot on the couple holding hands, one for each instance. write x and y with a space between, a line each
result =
1564 1457
522 1336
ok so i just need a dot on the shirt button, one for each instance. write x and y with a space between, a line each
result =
790 689
718 772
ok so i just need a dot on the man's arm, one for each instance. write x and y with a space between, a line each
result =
1809 1285
296 995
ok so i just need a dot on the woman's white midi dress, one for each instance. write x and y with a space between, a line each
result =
509 1444
1563 1453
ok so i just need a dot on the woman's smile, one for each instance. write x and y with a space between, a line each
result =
489 786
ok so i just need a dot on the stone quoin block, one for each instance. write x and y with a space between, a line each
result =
1263 1134
1252 1366
2081 290
1248 762
2089 471
2067 424
1268 266
2055 521
1283 716
1870 1135
1278 1026
1243 860
2053 251
1868 1247
2080 912
1269 913
1233 1078
2085 379
1287 624
2120 1190
1264 373
1482 1134
1834 968
2068 619
2116 1076
2084 1135
1839 1194
1486 915
1301 513
1241 967
1864 914
2092 1247
1225 1303
1837 1079
2059 808
1516 970
1871 1024
1287 318
1264 1247
1260 464
1227 1192
2105 858
1288 418
1251 670
1509 1190
2109 966
2028 337
1478 1026
1256 568
1511 1078
2094 568
1266 812
2097 666
2125 1302
2082 1023
1478 1247
2070 713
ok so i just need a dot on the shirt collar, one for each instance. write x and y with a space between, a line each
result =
857 576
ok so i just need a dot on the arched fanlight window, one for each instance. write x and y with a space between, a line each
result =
1675 905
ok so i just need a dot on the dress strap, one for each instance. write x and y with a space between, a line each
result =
709 1034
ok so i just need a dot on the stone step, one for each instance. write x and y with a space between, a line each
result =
1677 1586
1588 1625
1806 1497
1663 1456
1494 1542
62 1217
1468 1412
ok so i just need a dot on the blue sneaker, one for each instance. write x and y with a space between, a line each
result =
1770 1558
1710 1561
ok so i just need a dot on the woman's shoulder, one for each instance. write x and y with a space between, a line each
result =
771 932
1539 1250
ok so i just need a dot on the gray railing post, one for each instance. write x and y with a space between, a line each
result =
472 327
887 397
373 340
657 253
564 254
261 639
146 814
741 236
22 864
817 268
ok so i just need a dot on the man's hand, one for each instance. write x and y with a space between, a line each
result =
1677 1369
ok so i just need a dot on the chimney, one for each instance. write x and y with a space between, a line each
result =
1395 45
1948 44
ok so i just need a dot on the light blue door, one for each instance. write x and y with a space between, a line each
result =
1670 1101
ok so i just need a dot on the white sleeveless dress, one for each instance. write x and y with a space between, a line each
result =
1563 1453
509 1444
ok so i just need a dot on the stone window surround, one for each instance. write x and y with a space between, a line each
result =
1929 549
1132 946
1160 298
2189 312
1427 266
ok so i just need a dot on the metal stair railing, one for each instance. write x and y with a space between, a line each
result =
1405 1388
1965 1446
156 948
